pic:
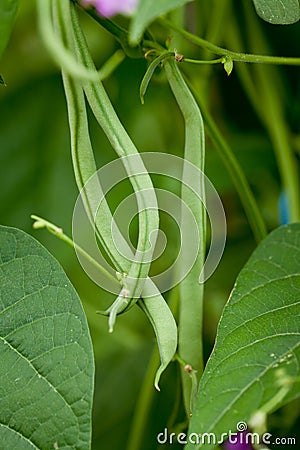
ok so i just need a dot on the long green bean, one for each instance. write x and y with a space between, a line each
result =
191 292
148 217
235 56
61 55
84 166
137 174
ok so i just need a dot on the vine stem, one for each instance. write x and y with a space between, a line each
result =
58 232
263 89
119 33
235 56
248 201
200 61
143 406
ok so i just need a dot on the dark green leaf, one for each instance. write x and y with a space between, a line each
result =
259 333
147 12
46 354
282 12
8 9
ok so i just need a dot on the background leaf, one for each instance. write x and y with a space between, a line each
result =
46 354
281 12
259 333
147 12
8 9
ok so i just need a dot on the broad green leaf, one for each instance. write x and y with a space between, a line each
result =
47 367
258 335
281 12
8 9
146 12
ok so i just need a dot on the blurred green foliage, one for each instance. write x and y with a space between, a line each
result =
36 177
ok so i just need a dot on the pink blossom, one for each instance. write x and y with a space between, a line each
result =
108 8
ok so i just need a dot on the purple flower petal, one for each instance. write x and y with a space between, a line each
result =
108 8
239 441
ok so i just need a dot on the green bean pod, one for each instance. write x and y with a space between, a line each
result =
165 328
84 164
137 270
60 53
137 173
152 302
191 291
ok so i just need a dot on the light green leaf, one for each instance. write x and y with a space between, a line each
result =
281 12
47 367
258 339
146 12
8 9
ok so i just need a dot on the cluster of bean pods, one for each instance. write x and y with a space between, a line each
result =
64 38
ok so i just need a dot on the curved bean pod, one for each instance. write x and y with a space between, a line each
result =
165 328
61 54
155 306
148 217
84 164
137 173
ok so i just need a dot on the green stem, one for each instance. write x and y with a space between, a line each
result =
61 55
263 89
119 33
111 64
58 232
254 216
200 61
235 56
143 406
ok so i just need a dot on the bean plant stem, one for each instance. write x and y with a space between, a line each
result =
119 33
143 406
254 216
235 56
58 232
137 52
266 102
200 61
146 396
